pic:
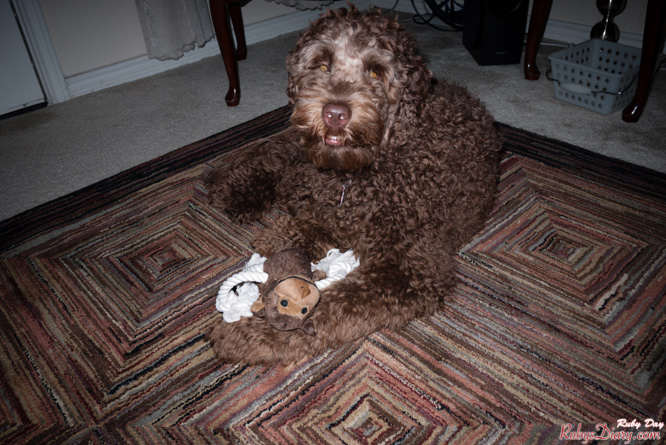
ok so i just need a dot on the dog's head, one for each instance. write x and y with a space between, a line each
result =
352 78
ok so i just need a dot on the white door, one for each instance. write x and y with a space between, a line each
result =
19 86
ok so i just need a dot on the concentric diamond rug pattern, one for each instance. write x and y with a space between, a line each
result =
558 326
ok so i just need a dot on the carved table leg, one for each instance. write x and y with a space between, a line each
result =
653 41
540 13
220 15
237 22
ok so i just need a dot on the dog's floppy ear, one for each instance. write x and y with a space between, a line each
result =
295 64
295 56
418 86
292 88
418 82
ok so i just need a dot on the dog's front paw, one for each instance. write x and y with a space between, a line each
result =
243 197
255 342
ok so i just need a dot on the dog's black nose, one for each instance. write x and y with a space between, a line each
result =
336 116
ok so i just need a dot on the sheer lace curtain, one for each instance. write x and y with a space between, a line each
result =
173 27
304 4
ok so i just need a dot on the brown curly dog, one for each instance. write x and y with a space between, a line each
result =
381 158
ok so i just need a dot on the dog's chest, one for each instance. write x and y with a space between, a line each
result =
329 195
355 199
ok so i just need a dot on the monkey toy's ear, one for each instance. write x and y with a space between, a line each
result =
259 308
309 328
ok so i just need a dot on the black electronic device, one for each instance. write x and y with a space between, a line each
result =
494 30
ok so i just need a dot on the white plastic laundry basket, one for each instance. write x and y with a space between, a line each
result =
597 74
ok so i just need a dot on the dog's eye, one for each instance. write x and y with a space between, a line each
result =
374 74
324 67
284 303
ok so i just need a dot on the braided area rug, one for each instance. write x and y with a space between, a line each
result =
556 331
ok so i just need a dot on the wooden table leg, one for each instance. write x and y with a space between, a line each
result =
653 41
239 30
220 11
540 13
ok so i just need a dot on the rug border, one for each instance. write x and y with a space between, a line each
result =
587 164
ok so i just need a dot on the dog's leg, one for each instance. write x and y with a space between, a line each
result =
288 232
250 186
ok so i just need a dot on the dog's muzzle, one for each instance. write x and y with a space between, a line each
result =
335 117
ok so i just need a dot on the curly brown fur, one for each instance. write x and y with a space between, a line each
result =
417 160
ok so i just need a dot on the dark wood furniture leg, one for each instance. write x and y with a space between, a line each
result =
540 13
221 11
653 41
239 30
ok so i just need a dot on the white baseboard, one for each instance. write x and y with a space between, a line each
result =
133 69
143 66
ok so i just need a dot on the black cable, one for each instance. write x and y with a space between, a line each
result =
445 11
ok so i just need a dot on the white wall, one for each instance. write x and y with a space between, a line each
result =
91 34
259 10
585 12
99 43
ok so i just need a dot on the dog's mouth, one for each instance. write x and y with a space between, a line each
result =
334 140
337 151
349 147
